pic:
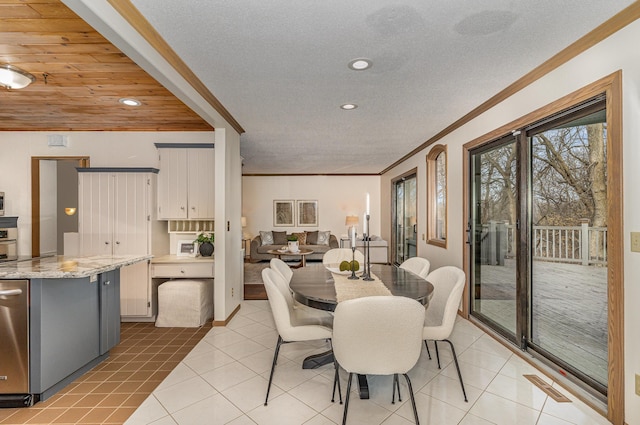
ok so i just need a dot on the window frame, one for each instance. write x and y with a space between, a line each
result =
432 201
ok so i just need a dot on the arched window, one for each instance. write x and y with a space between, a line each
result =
437 196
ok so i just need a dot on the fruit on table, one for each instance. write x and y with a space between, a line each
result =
349 266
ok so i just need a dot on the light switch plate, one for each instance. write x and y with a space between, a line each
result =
635 241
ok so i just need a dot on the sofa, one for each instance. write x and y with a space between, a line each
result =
308 240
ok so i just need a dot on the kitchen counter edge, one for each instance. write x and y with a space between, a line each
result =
65 267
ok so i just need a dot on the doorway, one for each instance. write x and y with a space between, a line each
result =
539 224
50 198
405 205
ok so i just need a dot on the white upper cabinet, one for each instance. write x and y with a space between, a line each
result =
186 182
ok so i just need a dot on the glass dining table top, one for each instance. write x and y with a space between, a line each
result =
313 285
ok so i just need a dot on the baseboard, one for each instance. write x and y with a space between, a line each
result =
225 322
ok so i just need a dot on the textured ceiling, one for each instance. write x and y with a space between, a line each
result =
280 68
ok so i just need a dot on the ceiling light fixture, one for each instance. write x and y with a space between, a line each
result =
349 106
13 77
360 64
130 102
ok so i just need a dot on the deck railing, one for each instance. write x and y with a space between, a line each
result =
567 244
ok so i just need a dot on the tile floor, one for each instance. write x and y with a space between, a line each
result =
111 392
223 381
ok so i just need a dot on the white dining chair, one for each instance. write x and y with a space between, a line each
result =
417 265
282 268
440 317
292 325
334 257
379 335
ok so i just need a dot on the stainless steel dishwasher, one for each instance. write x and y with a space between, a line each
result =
14 343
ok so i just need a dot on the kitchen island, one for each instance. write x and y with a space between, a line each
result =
63 317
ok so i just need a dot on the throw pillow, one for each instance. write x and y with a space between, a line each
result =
323 237
302 238
266 238
312 238
279 238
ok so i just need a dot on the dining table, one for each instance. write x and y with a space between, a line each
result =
315 286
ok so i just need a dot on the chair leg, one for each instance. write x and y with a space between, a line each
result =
396 384
336 380
455 359
437 354
346 401
428 352
273 366
413 400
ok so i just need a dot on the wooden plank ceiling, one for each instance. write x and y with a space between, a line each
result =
86 76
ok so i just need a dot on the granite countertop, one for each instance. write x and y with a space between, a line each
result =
60 267
172 258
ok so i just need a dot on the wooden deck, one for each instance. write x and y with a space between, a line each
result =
569 310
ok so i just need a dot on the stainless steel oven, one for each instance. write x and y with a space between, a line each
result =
1 203
8 244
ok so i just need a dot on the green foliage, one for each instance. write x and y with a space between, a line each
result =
205 237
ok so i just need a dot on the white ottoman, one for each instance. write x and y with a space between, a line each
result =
184 303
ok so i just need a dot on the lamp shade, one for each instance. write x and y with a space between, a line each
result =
12 77
352 220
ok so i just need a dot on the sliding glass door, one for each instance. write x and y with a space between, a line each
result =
494 197
568 254
404 218
538 236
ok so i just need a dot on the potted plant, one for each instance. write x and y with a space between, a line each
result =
292 241
205 244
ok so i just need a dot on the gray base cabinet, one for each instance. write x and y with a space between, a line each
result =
73 323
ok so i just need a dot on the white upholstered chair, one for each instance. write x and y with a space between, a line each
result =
292 325
334 257
448 283
417 265
282 268
380 335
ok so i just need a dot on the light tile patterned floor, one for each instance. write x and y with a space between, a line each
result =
223 381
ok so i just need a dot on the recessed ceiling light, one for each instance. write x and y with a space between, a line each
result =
360 64
130 102
349 106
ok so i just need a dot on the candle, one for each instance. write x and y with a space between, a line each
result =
353 236
368 211
365 225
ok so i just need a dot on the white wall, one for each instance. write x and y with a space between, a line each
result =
228 290
106 149
619 51
337 196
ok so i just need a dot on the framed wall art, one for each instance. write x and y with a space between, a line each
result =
283 214
307 213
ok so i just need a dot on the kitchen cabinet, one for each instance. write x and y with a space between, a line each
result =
117 216
186 181
109 283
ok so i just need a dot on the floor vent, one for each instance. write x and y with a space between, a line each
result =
547 388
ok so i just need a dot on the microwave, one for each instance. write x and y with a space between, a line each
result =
1 203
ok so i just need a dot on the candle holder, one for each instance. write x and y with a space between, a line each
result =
367 257
353 263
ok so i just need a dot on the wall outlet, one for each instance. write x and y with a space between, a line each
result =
637 384
635 241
